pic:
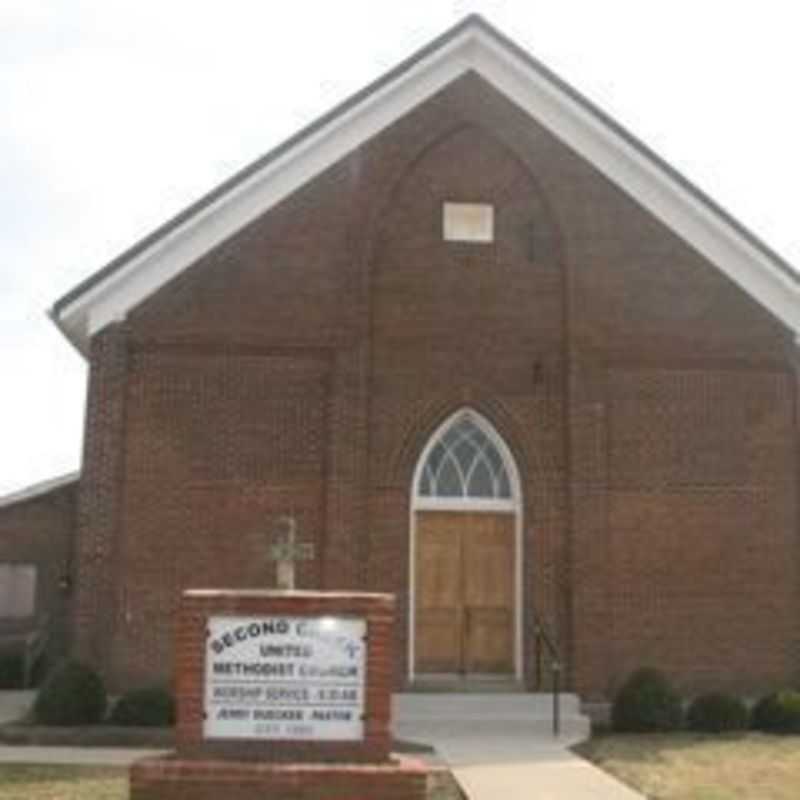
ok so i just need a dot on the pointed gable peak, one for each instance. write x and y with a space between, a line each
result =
473 44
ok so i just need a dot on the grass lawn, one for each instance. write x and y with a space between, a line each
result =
685 766
89 783
62 783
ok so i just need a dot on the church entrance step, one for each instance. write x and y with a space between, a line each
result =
491 705
430 718
470 684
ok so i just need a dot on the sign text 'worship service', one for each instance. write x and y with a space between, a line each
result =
285 678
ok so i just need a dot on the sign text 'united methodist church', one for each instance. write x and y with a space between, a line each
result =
285 678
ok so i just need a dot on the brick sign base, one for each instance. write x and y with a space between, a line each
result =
175 779
251 769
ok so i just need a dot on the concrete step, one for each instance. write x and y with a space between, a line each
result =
474 706
428 717
457 684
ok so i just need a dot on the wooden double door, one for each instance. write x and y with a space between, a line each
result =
464 592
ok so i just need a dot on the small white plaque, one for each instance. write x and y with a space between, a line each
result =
285 678
468 222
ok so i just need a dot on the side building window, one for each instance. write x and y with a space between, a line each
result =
17 591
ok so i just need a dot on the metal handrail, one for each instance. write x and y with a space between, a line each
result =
542 637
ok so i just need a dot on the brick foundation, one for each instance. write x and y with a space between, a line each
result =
177 779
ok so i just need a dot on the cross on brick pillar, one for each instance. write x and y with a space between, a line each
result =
287 551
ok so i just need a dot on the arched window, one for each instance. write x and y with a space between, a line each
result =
465 462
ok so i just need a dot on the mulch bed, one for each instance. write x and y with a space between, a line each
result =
87 736
120 736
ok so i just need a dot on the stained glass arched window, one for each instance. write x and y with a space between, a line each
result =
464 463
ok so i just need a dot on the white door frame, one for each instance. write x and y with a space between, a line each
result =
509 506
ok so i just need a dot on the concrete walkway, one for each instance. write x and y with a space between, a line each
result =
506 768
502 748
499 757
15 704
497 768
542 772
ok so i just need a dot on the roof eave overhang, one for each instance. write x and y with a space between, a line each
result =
471 46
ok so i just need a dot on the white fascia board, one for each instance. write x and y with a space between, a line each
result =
643 179
112 298
577 125
38 489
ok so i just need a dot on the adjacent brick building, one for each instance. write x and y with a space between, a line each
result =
37 529
493 356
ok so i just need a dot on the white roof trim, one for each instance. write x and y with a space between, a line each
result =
38 489
475 47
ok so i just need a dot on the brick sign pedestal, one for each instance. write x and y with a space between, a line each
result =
284 695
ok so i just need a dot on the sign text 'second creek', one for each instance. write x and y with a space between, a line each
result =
285 678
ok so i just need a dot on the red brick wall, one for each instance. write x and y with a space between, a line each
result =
227 443
701 524
98 567
457 324
630 379
40 531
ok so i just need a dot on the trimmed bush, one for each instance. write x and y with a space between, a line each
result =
74 694
152 707
716 713
646 702
10 671
777 713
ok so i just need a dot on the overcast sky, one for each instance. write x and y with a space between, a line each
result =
115 115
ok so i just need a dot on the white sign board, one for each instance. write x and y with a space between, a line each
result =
282 677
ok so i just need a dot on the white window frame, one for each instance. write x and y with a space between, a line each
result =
5 614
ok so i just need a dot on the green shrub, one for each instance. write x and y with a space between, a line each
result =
646 702
777 713
716 713
74 694
153 707
10 671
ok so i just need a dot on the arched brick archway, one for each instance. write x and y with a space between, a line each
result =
473 326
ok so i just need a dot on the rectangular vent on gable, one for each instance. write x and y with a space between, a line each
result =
468 222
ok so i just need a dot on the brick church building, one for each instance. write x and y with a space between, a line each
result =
490 353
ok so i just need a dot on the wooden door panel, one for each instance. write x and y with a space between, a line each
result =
439 640
439 613
488 561
489 593
489 642
438 566
464 620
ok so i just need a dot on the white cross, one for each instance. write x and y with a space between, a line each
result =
287 551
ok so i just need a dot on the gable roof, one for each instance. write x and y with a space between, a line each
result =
471 45
39 489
